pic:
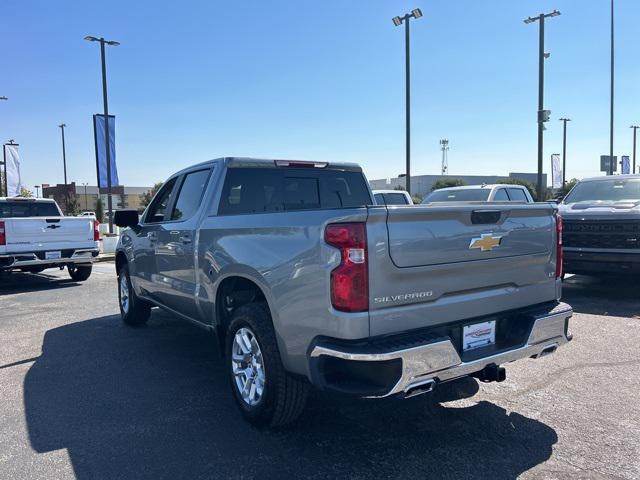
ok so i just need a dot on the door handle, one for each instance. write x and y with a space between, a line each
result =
185 239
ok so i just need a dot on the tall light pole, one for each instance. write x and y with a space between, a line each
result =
543 115
397 21
37 187
611 102
64 153
564 150
107 145
635 128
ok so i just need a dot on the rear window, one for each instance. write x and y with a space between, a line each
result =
468 195
28 209
264 190
395 199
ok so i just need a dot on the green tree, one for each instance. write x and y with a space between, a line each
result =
99 210
145 198
568 186
70 204
447 182
25 192
416 198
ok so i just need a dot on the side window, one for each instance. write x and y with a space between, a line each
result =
190 195
501 195
379 199
158 209
517 195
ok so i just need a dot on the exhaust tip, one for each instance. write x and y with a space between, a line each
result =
419 388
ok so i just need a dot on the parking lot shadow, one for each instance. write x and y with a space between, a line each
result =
606 295
154 402
18 282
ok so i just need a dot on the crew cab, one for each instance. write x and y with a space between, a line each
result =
480 193
602 225
306 282
34 236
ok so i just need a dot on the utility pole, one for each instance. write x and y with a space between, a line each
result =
397 21
635 128
64 153
444 146
543 115
611 102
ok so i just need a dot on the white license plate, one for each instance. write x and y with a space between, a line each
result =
478 335
52 255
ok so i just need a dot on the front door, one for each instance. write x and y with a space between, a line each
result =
175 250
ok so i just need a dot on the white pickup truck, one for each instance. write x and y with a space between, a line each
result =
34 235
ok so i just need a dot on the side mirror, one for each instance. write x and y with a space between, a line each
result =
126 218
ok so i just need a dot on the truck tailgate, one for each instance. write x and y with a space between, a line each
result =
42 233
438 264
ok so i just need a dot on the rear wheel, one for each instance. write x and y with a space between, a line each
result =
79 273
265 393
133 310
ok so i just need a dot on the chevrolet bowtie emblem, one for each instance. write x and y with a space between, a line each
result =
486 242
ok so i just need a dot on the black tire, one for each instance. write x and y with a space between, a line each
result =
79 273
284 396
137 311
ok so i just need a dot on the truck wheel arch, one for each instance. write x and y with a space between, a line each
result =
233 292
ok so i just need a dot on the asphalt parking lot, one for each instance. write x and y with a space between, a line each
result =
83 396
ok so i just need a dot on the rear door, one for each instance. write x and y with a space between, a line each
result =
457 261
174 252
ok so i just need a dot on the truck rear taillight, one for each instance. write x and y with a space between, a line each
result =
350 279
3 235
96 230
559 253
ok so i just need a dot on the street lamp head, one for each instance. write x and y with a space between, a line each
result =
555 13
4 98
416 12
634 126
89 38
397 21
62 125
113 43
529 20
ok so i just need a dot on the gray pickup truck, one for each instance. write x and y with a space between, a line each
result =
602 226
305 281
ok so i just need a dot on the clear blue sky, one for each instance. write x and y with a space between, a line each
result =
195 80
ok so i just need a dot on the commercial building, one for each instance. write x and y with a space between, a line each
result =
86 198
422 184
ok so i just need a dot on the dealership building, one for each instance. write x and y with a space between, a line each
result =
87 196
422 184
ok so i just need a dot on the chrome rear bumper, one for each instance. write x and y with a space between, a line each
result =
30 259
439 361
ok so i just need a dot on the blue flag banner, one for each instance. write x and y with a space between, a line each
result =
626 166
101 152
